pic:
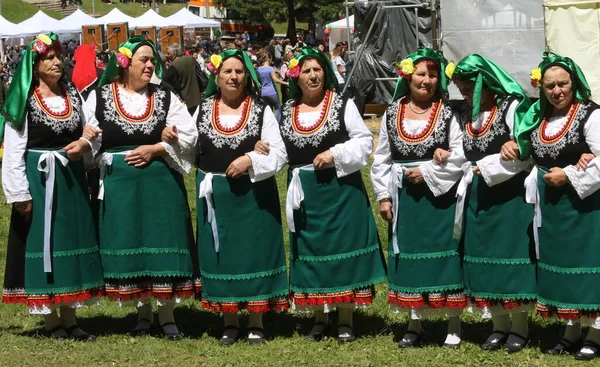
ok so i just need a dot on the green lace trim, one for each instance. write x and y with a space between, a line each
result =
437 288
572 271
248 276
502 296
339 289
81 251
569 306
77 288
426 255
149 273
345 255
264 297
146 251
496 261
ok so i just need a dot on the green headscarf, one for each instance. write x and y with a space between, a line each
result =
535 114
13 110
423 53
132 44
253 83
485 73
331 82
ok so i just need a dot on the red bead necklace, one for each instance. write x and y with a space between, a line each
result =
425 131
47 109
143 116
548 139
322 117
243 119
485 127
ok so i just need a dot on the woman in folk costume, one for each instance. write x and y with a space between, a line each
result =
556 131
335 254
240 238
52 260
417 196
498 264
146 238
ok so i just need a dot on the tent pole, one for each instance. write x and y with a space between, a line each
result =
434 26
93 8
417 27
347 28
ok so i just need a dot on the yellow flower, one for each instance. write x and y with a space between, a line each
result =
450 69
125 51
293 63
536 74
216 60
44 38
407 66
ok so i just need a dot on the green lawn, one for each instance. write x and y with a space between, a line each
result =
17 11
378 332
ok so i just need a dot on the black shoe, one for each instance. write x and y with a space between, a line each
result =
495 345
515 346
565 346
256 341
141 331
230 341
55 333
588 357
408 343
82 336
173 336
346 339
318 336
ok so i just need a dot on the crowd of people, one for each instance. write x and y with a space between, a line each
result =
489 211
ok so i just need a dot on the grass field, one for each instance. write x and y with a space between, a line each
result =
377 329
17 11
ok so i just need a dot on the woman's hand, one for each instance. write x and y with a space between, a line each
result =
169 134
477 171
509 151
90 133
323 160
414 175
75 149
440 156
238 167
142 155
262 147
24 208
584 160
385 209
556 177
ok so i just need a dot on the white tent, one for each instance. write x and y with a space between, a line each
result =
41 22
10 30
338 31
114 16
74 22
149 19
187 19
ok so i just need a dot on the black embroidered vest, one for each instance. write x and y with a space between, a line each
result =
302 145
47 130
565 147
478 143
218 147
405 147
119 129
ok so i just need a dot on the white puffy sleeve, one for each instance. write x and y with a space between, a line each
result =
180 154
353 154
89 118
265 166
382 163
586 182
493 169
14 172
440 178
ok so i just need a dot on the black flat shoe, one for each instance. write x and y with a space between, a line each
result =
516 346
55 333
141 331
82 336
564 346
497 344
256 341
410 343
346 339
588 356
320 335
226 341
173 336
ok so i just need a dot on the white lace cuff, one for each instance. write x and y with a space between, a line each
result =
18 197
176 159
338 158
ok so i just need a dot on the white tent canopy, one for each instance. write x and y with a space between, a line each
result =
10 30
187 19
114 16
342 23
74 22
149 19
338 31
41 22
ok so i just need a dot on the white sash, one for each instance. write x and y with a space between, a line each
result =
461 193
103 161
532 196
295 195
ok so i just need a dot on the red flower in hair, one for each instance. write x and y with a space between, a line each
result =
122 60
40 47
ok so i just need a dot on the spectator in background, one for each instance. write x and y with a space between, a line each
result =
3 88
268 76
246 37
183 78
339 65
214 44
310 39
278 53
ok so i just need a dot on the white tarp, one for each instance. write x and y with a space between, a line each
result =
42 23
573 30
74 22
187 19
10 30
339 31
149 19
508 32
113 16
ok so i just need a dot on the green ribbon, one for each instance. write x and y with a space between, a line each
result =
253 82
133 44
331 82
485 73
535 114
13 110
423 53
